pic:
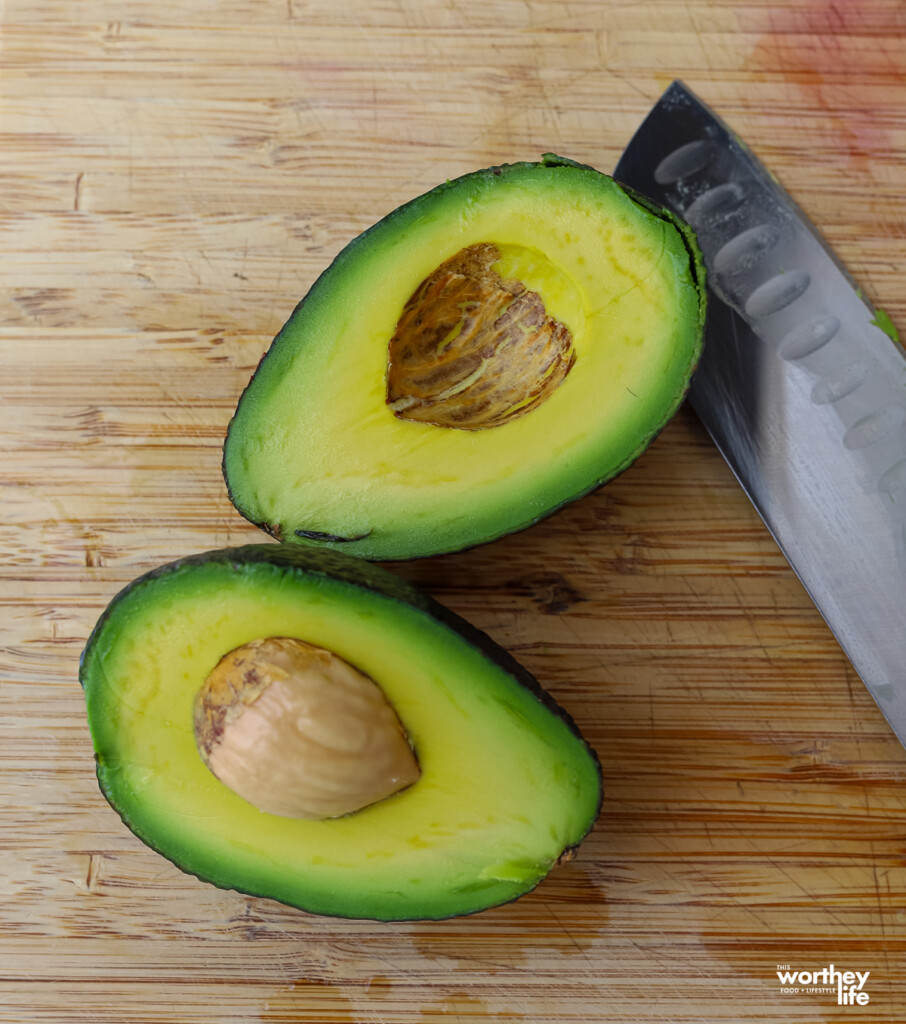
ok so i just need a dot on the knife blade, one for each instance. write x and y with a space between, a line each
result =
799 387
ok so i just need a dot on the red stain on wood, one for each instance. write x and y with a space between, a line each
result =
845 61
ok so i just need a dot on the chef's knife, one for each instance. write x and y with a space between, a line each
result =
800 386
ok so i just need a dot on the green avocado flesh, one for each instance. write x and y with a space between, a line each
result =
314 454
507 784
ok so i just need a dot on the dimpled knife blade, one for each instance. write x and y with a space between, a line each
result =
803 394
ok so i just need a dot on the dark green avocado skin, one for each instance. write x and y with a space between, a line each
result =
361 574
698 272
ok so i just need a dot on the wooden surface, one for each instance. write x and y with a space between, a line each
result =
174 176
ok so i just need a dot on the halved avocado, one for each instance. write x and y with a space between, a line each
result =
483 355
507 788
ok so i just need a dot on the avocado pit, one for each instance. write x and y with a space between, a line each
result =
472 349
297 731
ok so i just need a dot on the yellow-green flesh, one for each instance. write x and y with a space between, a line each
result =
506 786
313 446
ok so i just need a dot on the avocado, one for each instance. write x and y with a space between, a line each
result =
506 787
483 355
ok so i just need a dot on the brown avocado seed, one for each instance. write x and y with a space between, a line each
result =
297 731
472 350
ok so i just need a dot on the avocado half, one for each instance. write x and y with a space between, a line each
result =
318 450
508 787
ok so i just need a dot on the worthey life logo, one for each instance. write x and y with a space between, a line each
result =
849 986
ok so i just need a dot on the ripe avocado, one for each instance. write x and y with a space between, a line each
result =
507 788
483 355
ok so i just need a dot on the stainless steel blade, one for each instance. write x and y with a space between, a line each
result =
801 392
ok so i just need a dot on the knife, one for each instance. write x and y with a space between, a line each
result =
802 384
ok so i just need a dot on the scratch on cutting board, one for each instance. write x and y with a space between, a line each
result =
91 876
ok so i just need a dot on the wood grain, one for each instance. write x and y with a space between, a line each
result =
175 175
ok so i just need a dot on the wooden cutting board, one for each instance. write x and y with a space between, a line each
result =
174 176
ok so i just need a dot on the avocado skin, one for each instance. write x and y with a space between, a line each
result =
551 160
368 576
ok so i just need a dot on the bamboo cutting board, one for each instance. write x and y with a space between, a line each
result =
174 176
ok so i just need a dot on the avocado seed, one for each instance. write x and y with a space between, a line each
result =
473 350
297 731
